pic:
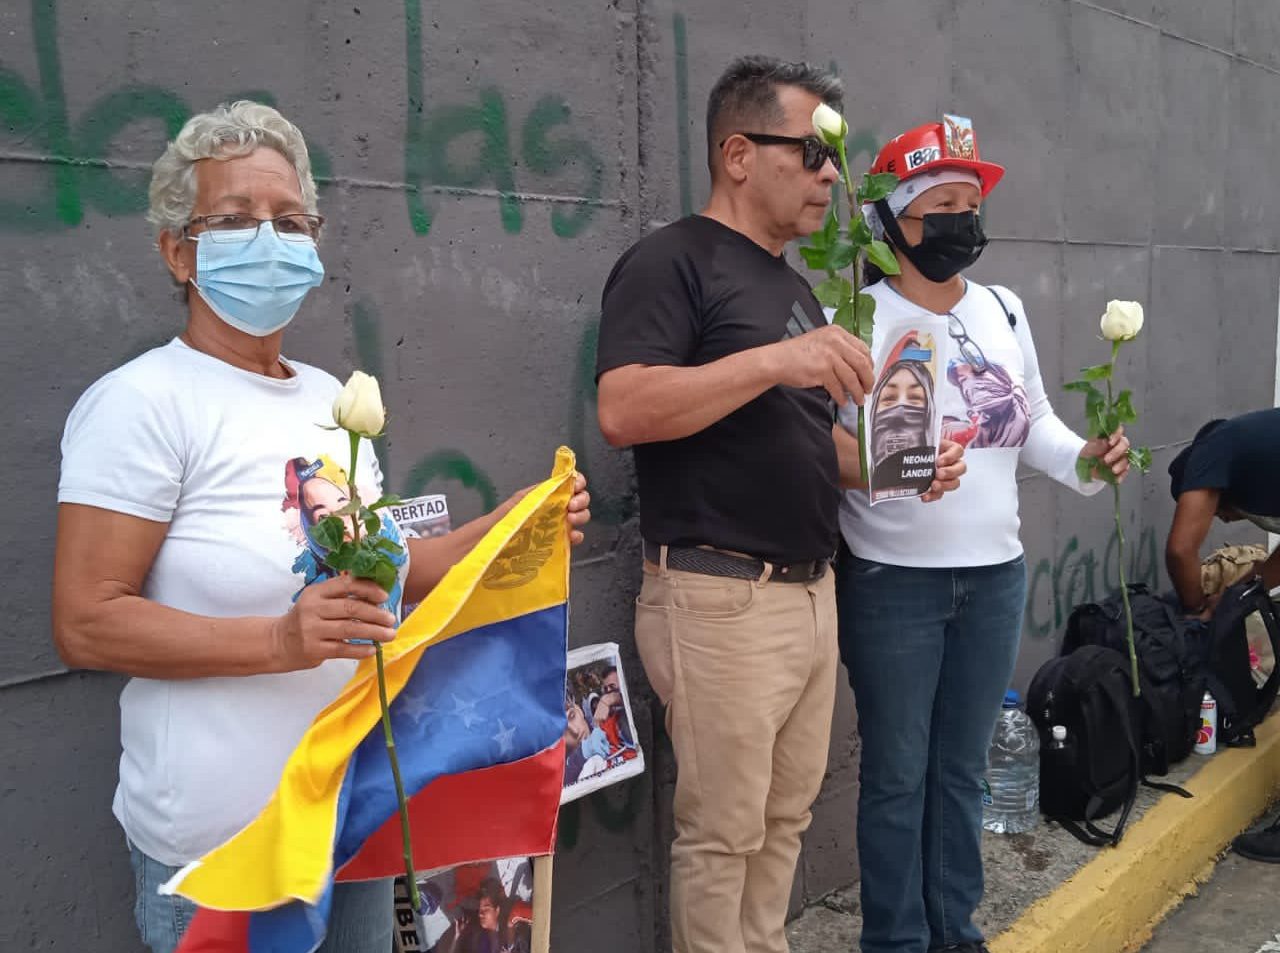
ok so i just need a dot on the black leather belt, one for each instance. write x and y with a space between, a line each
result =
711 562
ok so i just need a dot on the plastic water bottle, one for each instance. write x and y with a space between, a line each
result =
1011 789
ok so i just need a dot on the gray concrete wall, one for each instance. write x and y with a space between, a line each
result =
485 163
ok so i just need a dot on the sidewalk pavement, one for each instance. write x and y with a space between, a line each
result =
1236 911
1047 892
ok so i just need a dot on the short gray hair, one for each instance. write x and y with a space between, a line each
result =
745 97
230 130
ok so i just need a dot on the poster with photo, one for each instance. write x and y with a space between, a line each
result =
600 735
421 517
475 908
903 423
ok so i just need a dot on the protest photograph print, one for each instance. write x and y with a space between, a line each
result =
475 908
421 517
904 427
600 736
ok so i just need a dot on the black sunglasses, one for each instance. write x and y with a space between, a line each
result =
816 152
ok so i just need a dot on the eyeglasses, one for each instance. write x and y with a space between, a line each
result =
236 227
816 152
969 348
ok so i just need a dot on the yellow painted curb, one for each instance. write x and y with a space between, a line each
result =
1111 904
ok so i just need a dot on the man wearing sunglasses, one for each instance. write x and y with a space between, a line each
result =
715 362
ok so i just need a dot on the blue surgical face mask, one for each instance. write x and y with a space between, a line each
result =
255 283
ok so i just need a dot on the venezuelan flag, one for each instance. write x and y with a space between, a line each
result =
475 679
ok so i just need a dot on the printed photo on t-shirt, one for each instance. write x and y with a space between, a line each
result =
985 406
317 488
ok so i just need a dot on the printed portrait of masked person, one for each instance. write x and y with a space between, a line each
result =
902 419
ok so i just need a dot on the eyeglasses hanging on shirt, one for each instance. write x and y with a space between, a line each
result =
969 348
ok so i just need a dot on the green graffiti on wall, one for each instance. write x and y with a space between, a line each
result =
74 155
434 137
460 148
1077 576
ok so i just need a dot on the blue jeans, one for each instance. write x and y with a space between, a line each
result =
360 920
930 653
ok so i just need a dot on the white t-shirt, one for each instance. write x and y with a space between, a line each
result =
236 463
1002 416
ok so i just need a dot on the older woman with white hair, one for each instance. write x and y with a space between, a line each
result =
181 546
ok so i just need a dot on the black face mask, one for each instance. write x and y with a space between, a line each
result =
951 242
898 428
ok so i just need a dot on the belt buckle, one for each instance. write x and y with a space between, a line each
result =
790 571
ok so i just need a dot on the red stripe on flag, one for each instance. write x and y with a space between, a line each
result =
507 810
217 931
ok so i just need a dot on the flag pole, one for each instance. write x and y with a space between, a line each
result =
542 874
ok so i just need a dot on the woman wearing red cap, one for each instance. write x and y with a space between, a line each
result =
931 598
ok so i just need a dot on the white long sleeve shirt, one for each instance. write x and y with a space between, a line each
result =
1003 416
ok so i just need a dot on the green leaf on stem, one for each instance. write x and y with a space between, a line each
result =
389 499
842 255
844 315
833 291
328 533
876 187
1085 469
1083 387
881 255
860 232
1099 372
830 228
372 523
385 574
364 563
865 310
1095 409
1140 458
1123 407
389 546
815 258
341 557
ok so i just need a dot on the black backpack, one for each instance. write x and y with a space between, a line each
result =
1088 692
1241 703
1171 669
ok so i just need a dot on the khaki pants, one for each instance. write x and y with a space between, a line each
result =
747 671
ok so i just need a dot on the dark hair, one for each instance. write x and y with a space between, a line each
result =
491 889
745 97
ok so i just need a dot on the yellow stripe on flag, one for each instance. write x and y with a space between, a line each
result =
286 853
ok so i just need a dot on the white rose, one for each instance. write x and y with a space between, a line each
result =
1122 320
829 125
358 408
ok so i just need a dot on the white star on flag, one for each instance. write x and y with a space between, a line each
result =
466 711
503 738
416 707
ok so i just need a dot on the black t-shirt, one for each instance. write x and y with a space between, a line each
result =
764 480
1240 458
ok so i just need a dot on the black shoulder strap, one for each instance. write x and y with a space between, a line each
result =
1013 321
